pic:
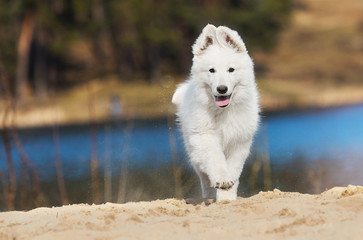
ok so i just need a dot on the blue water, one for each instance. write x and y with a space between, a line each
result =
145 144
334 134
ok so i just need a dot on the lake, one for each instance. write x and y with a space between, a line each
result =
311 149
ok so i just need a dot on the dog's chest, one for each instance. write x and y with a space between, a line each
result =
231 129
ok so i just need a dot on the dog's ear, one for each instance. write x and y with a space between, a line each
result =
205 39
230 38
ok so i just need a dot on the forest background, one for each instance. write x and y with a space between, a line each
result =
68 60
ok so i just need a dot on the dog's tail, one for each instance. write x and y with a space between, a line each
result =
179 93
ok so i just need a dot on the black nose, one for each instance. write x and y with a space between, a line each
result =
222 89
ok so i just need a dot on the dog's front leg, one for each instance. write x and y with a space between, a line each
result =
235 160
207 156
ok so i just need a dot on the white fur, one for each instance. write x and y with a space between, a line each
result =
218 140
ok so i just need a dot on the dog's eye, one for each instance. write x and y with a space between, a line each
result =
230 70
212 70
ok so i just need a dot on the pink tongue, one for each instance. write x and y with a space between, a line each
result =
222 101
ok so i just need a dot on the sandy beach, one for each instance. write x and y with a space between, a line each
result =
334 214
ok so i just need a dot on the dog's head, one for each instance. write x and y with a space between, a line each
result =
221 63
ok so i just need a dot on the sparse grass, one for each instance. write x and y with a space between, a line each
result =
142 100
323 42
151 183
138 99
280 94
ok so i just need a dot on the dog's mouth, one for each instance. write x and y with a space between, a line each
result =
222 101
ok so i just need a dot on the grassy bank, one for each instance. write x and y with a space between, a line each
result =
92 101
176 180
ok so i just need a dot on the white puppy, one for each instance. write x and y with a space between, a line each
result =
218 110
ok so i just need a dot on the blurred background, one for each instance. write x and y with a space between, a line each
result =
85 90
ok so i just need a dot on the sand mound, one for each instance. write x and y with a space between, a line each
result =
334 214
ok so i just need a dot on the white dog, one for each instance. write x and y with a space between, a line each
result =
218 110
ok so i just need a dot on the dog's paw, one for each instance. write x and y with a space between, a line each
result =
225 185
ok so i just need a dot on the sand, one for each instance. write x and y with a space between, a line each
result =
333 214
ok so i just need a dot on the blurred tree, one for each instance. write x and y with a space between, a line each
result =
149 33
47 44
23 50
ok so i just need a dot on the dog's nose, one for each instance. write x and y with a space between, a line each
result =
222 89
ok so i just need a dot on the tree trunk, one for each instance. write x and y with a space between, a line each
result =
40 73
24 43
101 42
58 6
10 194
